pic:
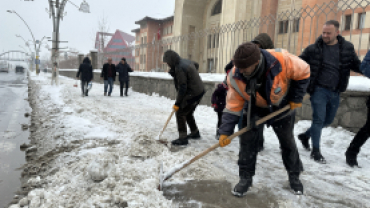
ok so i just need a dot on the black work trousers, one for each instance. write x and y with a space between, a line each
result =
186 116
361 137
121 86
283 129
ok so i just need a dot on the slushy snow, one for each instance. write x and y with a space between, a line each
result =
112 139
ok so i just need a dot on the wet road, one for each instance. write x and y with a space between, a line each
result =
13 106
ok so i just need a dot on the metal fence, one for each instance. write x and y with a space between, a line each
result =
293 30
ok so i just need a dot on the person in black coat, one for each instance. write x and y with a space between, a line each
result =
331 58
123 69
364 133
218 103
86 72
109 75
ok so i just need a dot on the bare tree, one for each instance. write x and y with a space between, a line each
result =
101 37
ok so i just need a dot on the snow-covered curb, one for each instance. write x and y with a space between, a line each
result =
356 83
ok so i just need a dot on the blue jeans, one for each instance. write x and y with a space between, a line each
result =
110 83
324 105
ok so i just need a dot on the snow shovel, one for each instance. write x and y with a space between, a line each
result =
163 177
165 125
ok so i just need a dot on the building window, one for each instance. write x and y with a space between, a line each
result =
171 29
142 40
145 40
283 26
361 20
296 25
117 41
209 41
137 38
217 9
211 65
144 61
117 46
348 19
216 39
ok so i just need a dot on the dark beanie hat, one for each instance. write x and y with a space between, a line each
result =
246 55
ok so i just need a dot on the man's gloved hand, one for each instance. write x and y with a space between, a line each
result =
176 108
214 106
223 140
294 105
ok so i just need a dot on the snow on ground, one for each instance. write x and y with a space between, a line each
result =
118 133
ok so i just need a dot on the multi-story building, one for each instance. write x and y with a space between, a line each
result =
150 42
209 31
116 46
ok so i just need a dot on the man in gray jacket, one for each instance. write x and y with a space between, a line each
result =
190 90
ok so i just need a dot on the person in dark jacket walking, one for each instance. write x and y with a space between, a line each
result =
262 82
364 133
190 90
218 103
109 75
263 41
123 69
331 58
86 72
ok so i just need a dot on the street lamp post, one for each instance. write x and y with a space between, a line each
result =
34 40
56 12
26 43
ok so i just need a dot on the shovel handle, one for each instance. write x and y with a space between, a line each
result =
165 125
231 137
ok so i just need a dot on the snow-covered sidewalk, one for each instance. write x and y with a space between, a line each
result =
117 133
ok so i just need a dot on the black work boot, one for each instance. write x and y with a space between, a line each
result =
195 135
295 183
182 140
245 182
305 141
316 155
351 159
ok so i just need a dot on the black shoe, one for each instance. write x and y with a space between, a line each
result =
351 159
305 141
180 141
108 94
316 155
295 184
126 94
194 135
243 186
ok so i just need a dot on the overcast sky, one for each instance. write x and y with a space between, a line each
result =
77 28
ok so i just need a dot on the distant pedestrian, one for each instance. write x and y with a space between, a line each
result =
124 78
330 58
190 90
364 133
109 75
218 103
86 72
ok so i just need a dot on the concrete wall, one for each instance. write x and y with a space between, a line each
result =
351 114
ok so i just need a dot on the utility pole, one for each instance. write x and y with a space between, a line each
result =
56 13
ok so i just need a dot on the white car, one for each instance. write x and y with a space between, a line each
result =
4 69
